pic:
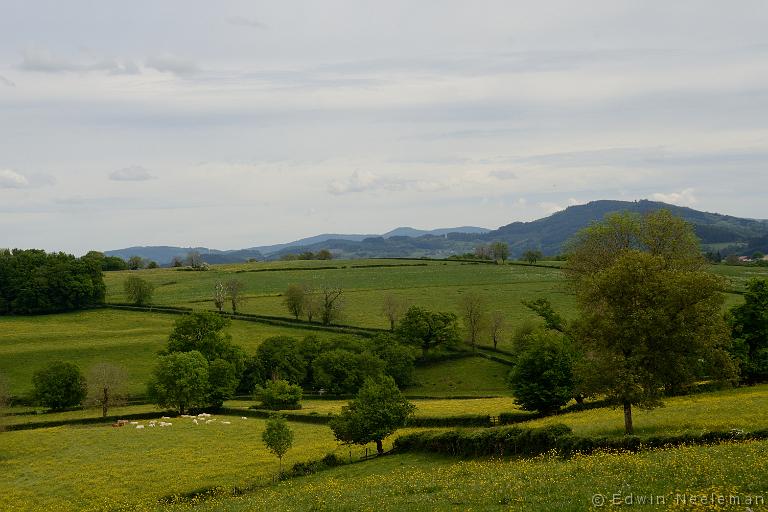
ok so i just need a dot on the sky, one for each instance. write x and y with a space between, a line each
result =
244 123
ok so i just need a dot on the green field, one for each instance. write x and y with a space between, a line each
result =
437 285
99 467
129 338
427 483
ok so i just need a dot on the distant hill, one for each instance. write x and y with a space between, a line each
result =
164 255
717 232
725 232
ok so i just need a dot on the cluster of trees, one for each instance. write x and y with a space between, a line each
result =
200 366
107 263
649 324
322 254
35 282
61 385
497 251
338 366
231 291
325 304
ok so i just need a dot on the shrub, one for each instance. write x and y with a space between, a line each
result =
542 379
59 385
138 290
279 394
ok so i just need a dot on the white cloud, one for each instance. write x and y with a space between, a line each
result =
504 175
368 182
12 179
132 173
683 198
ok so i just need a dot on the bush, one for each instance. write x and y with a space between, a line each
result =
59 385
542 379
341 371
279 394
138 290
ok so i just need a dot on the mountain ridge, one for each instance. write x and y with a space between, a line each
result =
548 234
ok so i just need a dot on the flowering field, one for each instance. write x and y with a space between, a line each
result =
661 480
93 467
743 408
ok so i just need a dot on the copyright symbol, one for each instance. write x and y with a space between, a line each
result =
598 500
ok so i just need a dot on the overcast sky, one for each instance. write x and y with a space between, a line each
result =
237 124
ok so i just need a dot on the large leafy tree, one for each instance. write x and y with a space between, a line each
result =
650 312
341 371
180 380
376 413
204 332
428 329
749 323
59 385
542 379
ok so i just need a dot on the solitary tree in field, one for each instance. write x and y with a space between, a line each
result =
139 291
177 262
294 299
59 385
532 256
428 329
650 312
107 384
496 327
278 437
219 295
377 411
500 251
331 303
393 309
136 262
235 293
474 315
312 304
194 259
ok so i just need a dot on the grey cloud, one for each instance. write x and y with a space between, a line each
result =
132 173
43 61
171 64
359 182
241 21
5 81
504 175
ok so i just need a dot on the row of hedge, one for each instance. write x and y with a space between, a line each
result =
366 332
558 438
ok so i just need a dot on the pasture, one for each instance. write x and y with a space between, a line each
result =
437 285
412 482
129 338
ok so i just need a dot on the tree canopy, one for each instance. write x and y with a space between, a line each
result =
33 282
59 385
650 312
427 329
377 412
749 322
180 380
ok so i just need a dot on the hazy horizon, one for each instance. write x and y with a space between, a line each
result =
252 123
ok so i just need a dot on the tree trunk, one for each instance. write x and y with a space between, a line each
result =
181 409
392 324
628 429
104 403
379 447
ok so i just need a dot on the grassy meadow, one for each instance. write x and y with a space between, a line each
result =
129 338
413 482
101 467
97 467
